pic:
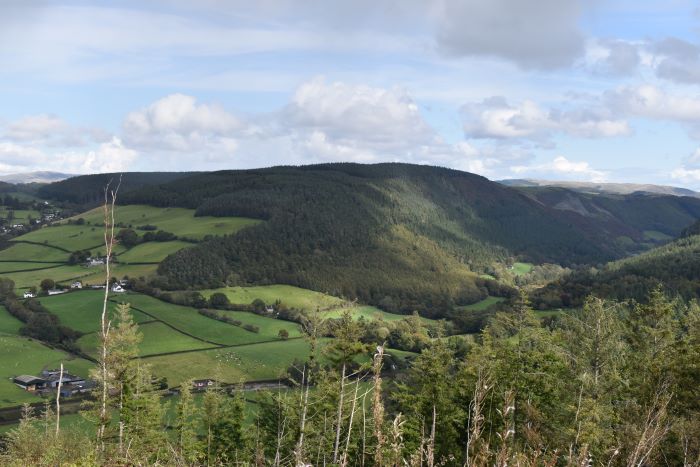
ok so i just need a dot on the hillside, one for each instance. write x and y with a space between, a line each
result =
603 188
634 222
675 266
406 237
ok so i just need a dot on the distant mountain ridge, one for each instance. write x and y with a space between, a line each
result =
35 177
602 188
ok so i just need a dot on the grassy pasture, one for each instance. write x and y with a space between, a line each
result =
96 275
269 327
520 269
157 338
33 357
68 237
293 297
483 304
367 312
154 252
81 310
63 274
656 236
179 221
30 252
8 323
190 321
20 216
10 267
252 362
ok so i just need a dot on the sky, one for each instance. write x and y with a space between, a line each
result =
587 90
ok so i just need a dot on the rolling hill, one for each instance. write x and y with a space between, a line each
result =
603 188
400 236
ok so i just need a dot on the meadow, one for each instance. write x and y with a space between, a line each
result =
153 252
292 297
8 323
182 222
520 269
31 252
483 304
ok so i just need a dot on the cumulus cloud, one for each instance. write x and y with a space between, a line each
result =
678 60
614 56
537 34
496 118
561 166
46 129
178 123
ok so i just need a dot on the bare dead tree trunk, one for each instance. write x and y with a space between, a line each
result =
58 401
378 406
344 461
304 406
654 429
339 416
108 215
476 421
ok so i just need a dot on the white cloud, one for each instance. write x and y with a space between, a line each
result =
561 166
178 123
496 118
50 130
534 34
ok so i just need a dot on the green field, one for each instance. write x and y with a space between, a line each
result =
248 363
20 216
8 323
156 338
10 267
269 327
31 358
367 312
656 236
68 237
190 321
82 310
64 274
520 269
293 297
482 305
179 221
30 252
151 252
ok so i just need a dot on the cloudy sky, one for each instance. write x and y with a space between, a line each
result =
600 90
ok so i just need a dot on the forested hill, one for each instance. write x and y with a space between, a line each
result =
675 266
89 189
401 236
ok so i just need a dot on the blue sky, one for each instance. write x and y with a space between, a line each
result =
558 89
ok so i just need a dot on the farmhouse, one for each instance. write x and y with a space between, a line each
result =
52 378
117 288
76 285
95 262
201 384
55 291
29 383
28 294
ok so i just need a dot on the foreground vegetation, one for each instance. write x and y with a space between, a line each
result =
613 384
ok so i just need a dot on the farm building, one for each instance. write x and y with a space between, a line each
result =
95 262
28 294
117 288
29 382
55 291
52 378
200 384
76 285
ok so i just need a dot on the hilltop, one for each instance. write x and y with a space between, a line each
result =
603 188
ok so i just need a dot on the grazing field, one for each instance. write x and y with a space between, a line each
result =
11 266
231 365
19 216
32 358
520 269
482 305
68 237
189 320
157 338
65 273
293 297
96 275
269 327
81 310
31 252
367 312
8 323
179 221
656 236
151 252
